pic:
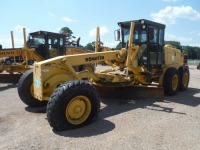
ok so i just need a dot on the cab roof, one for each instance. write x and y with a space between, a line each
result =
47 33
126 24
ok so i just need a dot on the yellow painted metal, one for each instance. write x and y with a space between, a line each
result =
45 70
12 39
25 52
97 40
78 110
175 82
71 69
185 79
24 33
28 54
75 50
25 47
130 46
19 67
173 56
31 90
125 59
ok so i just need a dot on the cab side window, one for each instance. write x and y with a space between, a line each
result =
153 32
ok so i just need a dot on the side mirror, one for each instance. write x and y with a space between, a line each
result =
117 35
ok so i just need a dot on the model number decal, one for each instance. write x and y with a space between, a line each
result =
94 58
37 82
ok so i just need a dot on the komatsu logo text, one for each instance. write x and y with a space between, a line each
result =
94 58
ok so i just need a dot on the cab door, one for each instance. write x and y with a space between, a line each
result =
156 42
153 45
53 46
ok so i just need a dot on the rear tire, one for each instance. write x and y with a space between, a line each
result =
171 81
72 105
25 90
184 78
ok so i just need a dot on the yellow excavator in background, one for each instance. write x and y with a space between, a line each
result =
143 62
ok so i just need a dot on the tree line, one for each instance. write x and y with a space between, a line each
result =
193 52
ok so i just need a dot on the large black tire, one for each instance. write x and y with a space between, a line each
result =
25 90
171 81
72 105
184 78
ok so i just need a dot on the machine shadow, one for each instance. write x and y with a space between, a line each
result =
189 97
4 87
10 78
111 105
101 126
116 104
41 109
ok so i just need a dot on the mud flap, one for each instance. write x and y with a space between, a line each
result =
131 92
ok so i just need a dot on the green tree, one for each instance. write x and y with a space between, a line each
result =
174 44
67 31
90 46
193 52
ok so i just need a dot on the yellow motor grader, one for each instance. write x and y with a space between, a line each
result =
41 45
142 61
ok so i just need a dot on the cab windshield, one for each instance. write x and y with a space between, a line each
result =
36 40
140 36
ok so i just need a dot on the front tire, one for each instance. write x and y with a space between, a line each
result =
171 81
25 90
72 105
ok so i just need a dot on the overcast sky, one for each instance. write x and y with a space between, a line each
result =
182 18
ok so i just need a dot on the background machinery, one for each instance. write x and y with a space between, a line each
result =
143 61
198 66
40 46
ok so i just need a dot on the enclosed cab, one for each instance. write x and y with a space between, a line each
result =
156 59
48 44
149 36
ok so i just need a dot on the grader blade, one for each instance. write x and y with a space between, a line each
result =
131 92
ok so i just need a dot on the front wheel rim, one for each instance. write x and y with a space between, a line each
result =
78 110
31 90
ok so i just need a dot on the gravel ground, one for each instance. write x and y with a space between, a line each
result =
173 123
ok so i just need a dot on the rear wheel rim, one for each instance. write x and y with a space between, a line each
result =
78 110
185 79
175 82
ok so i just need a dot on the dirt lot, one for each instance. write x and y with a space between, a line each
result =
173 123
